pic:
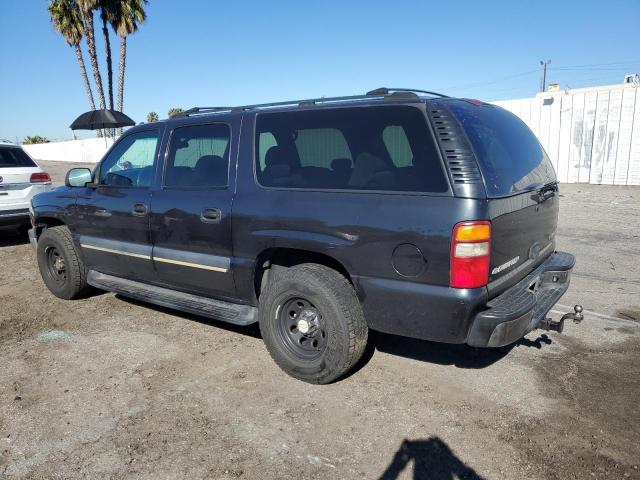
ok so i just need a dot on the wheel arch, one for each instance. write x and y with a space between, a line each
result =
43 222
271 259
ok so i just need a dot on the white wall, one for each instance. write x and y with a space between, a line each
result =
87 150
592 135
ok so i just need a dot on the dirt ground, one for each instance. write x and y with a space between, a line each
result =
110 388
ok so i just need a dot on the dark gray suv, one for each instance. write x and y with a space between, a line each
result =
402 211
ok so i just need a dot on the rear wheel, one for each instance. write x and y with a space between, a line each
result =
312 323
61 268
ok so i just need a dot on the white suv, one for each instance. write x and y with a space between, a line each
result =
20 179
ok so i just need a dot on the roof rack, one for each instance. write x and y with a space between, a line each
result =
382 92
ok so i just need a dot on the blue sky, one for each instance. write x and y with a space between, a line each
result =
200 52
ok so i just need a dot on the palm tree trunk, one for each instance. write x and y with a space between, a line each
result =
93 57
85 77
121 66
107 47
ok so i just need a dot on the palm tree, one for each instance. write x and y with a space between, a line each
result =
66 19
152 117
86 12
173 111
108 14
128 15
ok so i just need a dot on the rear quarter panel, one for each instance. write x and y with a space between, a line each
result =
359 230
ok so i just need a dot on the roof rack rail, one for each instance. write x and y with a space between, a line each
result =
379 92
387 91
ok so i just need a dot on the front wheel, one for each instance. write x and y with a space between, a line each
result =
61 267
312 323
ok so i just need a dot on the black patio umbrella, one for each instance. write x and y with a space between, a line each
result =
97 119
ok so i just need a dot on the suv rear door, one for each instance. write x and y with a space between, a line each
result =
191 208
521 190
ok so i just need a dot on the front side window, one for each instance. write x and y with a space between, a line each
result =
386 148
130 162
199 157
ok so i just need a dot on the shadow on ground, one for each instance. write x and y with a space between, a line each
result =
249 330
431 459
13 237
458 355
461 356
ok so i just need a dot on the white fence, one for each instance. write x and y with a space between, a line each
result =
89 150
592 135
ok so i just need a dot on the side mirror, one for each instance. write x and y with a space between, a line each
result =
78 177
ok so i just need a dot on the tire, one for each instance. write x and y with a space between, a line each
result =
312 323
61 268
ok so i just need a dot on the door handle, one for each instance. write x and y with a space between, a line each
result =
139 210
211 215
102 212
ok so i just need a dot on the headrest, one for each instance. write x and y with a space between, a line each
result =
277 156
209 161
341 164
370 162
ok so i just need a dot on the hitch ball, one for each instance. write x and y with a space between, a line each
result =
576 316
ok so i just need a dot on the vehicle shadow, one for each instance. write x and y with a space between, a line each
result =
12 238
432 459
249 330
458 355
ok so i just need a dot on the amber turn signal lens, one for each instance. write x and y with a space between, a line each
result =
473 233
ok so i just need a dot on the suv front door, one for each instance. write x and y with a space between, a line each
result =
191 210
112 219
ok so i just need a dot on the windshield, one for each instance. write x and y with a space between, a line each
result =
12 157
509 154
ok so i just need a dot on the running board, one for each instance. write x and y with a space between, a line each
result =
186 302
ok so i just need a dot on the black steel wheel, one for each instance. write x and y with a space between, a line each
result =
55 267
61 267
312 322
301 328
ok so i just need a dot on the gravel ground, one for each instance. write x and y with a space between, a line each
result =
110 388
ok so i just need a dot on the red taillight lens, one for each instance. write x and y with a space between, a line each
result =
40 177
470 249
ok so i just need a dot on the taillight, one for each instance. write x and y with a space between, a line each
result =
470 247
40 177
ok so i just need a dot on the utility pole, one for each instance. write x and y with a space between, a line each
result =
544 74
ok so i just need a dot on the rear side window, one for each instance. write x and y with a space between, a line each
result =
510 156
14 157
198 157
387 148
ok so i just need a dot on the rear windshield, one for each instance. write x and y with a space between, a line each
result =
357 148
14 157
510 156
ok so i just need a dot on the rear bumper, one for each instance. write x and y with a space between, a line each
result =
15 216
520 309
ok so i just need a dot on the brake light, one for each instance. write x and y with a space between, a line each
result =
470 248
40 177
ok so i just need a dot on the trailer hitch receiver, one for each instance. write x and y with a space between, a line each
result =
548 324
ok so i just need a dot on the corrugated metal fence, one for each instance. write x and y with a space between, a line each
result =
592 135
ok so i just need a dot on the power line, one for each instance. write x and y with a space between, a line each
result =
565 69
490 82
599 64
